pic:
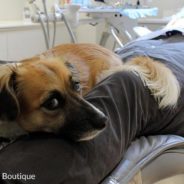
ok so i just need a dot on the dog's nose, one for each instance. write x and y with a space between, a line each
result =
100 122
98 117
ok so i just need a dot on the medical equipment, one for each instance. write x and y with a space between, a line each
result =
121 23
44 18
59 11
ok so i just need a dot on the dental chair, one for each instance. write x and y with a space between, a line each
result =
149 160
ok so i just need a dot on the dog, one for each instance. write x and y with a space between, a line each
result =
45 93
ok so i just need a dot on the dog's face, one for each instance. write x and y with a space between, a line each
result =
45 96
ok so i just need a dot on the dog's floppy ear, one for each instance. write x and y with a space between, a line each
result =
9 106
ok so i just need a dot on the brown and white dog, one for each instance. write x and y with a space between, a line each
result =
43 93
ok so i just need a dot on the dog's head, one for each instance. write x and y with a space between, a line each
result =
46 96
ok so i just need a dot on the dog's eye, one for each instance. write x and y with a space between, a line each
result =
76 86
54 102
51 104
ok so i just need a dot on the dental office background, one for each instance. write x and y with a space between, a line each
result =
12 9
20 39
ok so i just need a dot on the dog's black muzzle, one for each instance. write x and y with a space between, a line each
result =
83 121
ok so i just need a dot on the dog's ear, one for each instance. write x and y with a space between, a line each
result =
9 106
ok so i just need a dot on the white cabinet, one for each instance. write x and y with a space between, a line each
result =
22 42
29 41
88 33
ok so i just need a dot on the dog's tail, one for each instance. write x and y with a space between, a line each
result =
157 77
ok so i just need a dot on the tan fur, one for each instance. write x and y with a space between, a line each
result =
156 76
89 59
5 75
44 76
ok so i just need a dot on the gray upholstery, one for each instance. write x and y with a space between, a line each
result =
145 154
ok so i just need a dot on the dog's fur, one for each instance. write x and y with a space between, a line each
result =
43 93
90 61
160 80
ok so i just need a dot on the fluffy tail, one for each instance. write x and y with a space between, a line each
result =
157 77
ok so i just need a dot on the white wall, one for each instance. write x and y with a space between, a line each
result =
11 9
